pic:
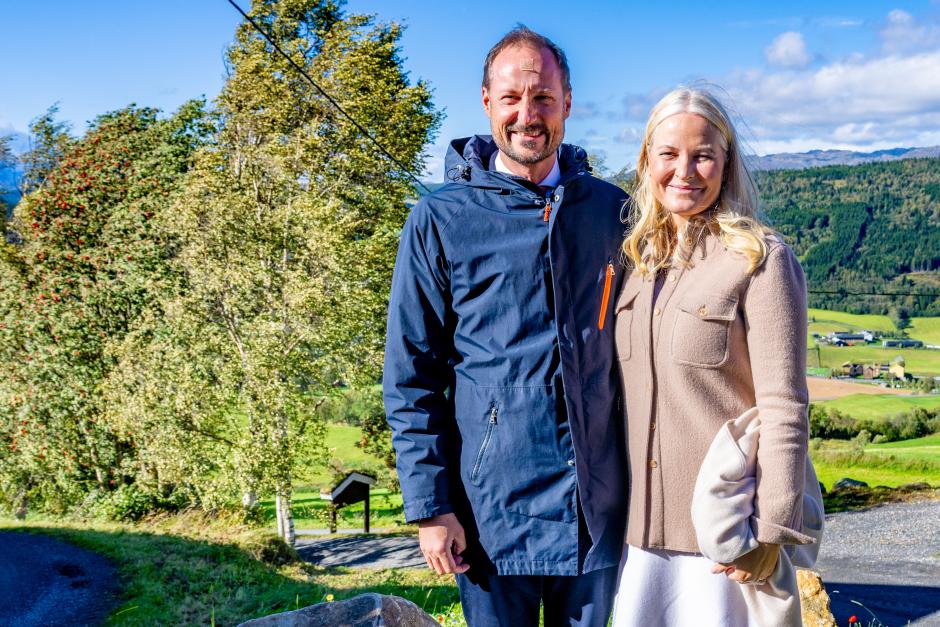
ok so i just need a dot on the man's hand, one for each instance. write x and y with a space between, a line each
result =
442 541
752 567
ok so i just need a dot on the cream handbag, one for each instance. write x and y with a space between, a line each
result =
722 508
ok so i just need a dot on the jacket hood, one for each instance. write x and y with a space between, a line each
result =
467 160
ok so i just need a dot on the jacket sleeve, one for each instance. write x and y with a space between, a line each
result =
775 313
416 376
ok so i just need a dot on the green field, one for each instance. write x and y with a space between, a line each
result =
826 321
926 329
918 361
891 464
880 405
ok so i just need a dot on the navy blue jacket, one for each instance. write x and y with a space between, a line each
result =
500 386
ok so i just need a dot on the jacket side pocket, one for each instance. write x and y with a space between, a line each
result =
487 435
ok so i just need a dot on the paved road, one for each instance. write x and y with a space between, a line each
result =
887 558
362 551
44 581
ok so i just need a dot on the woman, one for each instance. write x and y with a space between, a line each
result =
711 322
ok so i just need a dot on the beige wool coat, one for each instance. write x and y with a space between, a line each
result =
716 342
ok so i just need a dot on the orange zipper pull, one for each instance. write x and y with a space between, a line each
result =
548 211
607 281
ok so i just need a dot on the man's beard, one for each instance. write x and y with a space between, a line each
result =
528 158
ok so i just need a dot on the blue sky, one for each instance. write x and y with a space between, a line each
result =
801 75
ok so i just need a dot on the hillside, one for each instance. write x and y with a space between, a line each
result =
863 228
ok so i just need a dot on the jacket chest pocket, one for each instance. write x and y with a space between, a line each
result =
702 328
623 317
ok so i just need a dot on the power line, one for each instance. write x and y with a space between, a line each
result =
330 98
848 293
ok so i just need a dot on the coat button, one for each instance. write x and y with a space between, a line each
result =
703 311
657 311
653 425
653 463
556 197
571 462
672 278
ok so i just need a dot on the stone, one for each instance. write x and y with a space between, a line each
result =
847 482
814 600
366 610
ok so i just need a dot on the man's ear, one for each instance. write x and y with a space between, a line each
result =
485 94
567 104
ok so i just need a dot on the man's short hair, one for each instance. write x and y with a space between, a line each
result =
522 35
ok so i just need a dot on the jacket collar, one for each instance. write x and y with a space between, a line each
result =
467 159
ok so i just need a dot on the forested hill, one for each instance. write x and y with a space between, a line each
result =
865 228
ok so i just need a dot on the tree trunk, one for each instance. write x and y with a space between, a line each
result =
285 513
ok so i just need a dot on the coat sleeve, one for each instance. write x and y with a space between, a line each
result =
417 371
775 312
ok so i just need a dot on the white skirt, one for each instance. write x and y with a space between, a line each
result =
674 590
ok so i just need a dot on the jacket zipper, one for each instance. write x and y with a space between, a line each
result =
607 281
486 442
548 210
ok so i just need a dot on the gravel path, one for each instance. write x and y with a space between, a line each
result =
44 581
887 558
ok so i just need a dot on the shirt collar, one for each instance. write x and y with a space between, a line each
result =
550 180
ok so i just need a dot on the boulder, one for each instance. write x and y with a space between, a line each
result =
847 482
814 600
365 610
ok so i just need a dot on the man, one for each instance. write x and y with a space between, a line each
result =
500 382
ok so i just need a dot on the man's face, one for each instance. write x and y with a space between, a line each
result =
526 103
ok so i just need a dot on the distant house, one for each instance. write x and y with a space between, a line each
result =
873 371
851 369
901 344
897 368
854 336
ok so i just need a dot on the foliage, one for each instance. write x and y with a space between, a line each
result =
829 422
84 270
869 227
288 229
49 141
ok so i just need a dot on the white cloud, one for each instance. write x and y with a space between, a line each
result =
788 50
902 33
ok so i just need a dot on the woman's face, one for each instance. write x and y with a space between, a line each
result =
686 164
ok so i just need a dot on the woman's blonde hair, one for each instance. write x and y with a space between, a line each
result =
654 240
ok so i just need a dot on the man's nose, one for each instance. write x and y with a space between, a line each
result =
528 113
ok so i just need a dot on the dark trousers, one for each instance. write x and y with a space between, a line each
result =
513 600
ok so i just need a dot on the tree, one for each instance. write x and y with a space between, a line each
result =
49 140
88 266
289 225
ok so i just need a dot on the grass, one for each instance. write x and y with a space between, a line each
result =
310 511
926 329
194 569
890 464
827 321
879 406
919 361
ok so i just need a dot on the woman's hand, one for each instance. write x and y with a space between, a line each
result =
752 567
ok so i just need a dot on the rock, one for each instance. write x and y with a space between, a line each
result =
847 482
913 487
814 600
365 610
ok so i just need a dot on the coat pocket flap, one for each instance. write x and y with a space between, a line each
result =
628 294
710 306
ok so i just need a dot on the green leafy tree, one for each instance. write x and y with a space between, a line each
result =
289 225
49 140
87 268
